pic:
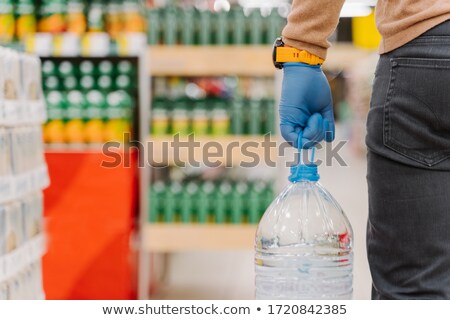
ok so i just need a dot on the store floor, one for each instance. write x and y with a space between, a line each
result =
229 275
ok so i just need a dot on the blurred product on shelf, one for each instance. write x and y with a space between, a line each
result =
52 16
25 19
21 18
6 21
76 17
209 202
215 117
21 228
23 174
187 25
213 106
89 102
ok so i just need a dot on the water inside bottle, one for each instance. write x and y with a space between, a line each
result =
304 247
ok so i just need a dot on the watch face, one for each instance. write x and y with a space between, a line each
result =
278 43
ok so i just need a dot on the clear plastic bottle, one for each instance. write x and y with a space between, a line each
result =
304 243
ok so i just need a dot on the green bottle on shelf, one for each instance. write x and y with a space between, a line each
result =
180 118
221 28
170 28
187 202
255 117
204 29
238 27
159 118
171 197
220 118
221 202
274 25
256 27
254 204
188 29
267 196
238 203
154 27
204 201
156 193
269 112
237 116
200 119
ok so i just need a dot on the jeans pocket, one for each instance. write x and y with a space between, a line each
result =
417 109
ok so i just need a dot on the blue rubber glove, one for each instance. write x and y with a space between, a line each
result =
306 105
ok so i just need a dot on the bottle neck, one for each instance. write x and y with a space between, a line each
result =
303 172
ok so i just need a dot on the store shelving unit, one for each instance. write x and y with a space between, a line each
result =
165 238
163 155
252 61
112 197
210 60
204 61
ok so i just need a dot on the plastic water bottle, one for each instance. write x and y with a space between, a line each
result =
304 243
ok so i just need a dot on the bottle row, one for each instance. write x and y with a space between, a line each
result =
21 98
209 202
213 117
93 117
67 68
223 87
189 26
22 18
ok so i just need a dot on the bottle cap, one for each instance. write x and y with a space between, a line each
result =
302 171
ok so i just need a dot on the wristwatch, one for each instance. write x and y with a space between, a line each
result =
282 54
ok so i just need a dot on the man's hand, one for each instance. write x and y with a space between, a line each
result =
306 105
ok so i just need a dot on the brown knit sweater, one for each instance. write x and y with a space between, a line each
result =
311 22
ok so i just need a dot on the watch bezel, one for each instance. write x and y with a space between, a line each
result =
277 44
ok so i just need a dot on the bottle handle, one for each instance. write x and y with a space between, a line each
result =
304 171
301 150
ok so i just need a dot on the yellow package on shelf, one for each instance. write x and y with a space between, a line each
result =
365 33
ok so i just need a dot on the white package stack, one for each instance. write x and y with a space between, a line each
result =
23 176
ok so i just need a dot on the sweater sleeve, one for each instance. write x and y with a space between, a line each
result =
310 23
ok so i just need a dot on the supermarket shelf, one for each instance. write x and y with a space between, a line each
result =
341 56
210 60
198 237
235 150
234 60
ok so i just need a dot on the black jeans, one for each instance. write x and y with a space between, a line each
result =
408 140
